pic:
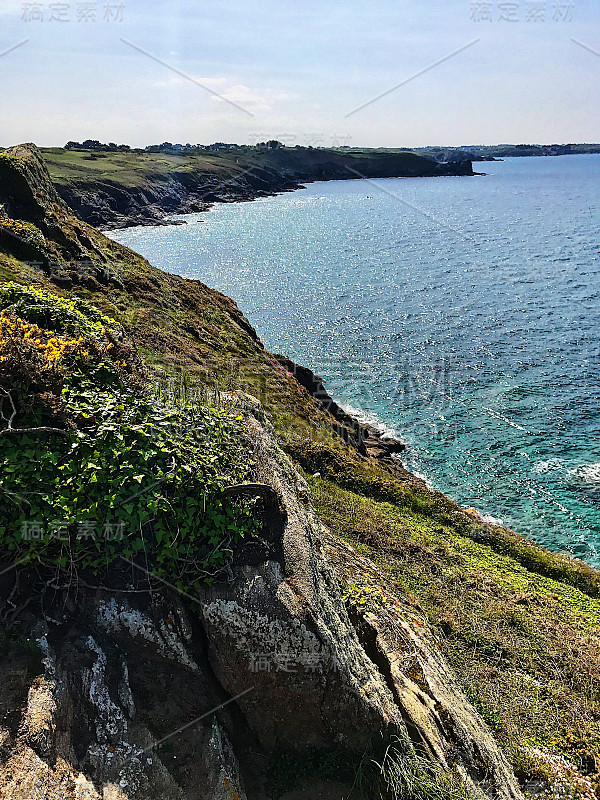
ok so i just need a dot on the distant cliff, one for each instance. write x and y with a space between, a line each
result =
111 190
498 151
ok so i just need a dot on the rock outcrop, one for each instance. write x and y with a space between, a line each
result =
145 692
39 228
368 440
27 193
438 717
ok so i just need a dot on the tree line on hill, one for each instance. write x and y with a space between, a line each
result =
112 147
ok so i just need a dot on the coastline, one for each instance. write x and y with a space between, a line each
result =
135 189
95 208
367 439
372 439
486 511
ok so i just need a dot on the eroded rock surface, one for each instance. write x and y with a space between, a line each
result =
144 694
439 718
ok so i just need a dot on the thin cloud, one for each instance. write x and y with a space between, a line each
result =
241 94
227 90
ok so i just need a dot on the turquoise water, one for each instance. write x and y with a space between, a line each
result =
462 313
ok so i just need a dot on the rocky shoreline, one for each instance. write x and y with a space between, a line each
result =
108 206
367 439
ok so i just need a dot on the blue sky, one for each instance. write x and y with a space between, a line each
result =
298 70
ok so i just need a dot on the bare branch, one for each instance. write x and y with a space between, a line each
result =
41 429
9 420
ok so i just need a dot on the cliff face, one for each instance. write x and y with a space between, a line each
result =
28 195
272 658
273 647
140 189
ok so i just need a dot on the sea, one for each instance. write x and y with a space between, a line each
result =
460 314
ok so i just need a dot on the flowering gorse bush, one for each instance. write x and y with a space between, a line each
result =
25 231
52 348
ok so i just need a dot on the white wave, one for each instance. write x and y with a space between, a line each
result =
417 474
541 467
492 520
368 418
487 518
585 474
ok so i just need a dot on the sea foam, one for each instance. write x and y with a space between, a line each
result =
586 474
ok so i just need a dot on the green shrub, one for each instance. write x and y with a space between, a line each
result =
120 474
60 314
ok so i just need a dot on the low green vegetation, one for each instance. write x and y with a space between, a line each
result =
407 777
525 645
96 467
129 170
389 772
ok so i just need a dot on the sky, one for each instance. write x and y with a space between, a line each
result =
320 72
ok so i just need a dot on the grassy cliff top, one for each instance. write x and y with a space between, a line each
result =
132 169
